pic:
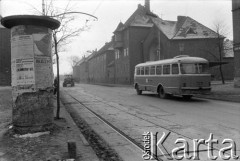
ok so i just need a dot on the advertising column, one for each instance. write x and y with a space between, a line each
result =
32 73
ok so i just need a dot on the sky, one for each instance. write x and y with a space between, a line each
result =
111 12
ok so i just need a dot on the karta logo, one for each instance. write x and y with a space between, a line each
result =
154 147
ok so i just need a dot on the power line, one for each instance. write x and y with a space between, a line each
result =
99 4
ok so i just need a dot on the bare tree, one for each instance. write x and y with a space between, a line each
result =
73 60
221 29
65 33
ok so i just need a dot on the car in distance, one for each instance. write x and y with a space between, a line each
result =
68 81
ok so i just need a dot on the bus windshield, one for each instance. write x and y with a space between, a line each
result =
189 68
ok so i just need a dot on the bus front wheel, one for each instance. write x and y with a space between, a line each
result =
139 92
162 93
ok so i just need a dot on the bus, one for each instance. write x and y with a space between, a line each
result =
182 75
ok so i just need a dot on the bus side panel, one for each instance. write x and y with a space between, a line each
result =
141 81
169 83
172 84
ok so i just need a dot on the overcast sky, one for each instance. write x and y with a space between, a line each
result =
111 12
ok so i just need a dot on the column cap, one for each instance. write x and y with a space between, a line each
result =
45 21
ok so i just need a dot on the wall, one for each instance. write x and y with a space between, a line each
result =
5 57
236 40
110 67
136 55
76 73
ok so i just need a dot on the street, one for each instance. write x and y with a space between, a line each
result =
135 114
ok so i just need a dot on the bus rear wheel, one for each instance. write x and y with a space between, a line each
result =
161 93
139 92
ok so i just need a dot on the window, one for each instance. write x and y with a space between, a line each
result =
142 70
181 46
175 69
125 52
203 68
138 71
117 54
146 70
159 70
191 31
189 68
166 69
152 70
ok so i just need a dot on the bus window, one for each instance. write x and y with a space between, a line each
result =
142 71
138 71
159 70
189 68
166 69
152 70
203 68
175 69
146 70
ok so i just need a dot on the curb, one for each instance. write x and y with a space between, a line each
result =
234 98
81 142
69 119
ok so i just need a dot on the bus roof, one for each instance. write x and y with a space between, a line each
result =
185 59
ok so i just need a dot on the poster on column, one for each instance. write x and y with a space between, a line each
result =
23 78
22 47
44 72
43 61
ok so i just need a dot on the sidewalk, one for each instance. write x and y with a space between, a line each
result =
50 147
224 92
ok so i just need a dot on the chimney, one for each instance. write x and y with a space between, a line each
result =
147 5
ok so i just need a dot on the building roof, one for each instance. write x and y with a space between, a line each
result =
184 28
106 47
81 61
119 27
140 18
167 27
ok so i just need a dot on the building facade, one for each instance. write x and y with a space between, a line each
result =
147 37
236 40
5 57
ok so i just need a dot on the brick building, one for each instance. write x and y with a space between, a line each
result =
5 56
236 40
146 37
